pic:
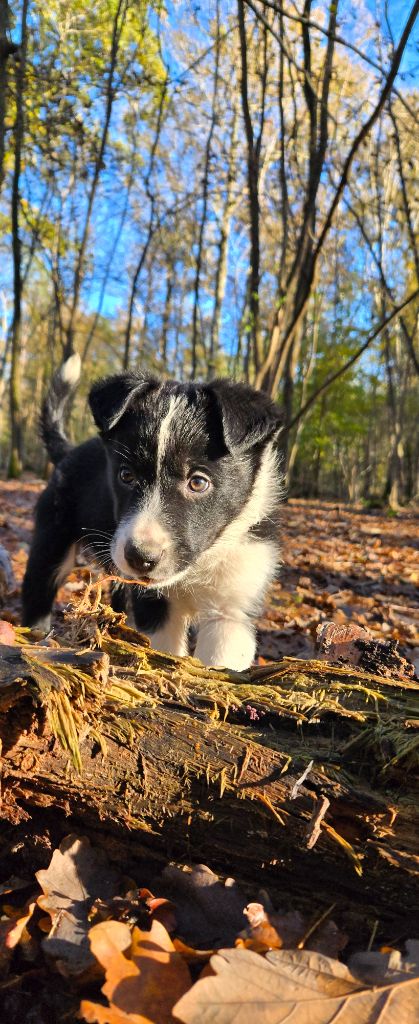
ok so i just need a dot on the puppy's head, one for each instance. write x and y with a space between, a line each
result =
185 463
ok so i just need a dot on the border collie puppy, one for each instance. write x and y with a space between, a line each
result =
179 492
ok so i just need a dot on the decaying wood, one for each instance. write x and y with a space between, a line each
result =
164 755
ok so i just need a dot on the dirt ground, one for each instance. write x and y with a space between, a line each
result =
339 563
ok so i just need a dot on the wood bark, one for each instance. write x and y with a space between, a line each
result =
163 757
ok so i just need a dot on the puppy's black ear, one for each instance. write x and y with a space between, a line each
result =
249 417
110 398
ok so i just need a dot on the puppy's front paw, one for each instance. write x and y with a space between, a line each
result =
226 643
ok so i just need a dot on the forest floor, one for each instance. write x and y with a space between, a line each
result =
82 919
339 563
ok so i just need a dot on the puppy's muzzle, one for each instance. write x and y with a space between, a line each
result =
142 560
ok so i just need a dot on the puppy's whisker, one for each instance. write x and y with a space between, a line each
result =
99 534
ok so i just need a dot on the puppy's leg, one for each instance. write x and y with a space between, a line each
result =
227 635
172 638
51 558
164 621
226 642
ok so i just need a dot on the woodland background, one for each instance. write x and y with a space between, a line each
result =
218 188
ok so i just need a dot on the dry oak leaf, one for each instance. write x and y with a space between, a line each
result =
7 633
377 968
77 875
271 929
292 986
208 911
141 987
11 932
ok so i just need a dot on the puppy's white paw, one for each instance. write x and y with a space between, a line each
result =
226 643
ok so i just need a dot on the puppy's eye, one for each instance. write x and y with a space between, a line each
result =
198 483
126 476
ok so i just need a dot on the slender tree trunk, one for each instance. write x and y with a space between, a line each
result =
150 231
7 48
393 491
15 461
221 272
166 314
205 190
111 257
282 166
288 391
254 146
306 380
119 20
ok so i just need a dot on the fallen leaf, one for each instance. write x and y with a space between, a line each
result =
143 986
11 933
209 913
293 986
7 633
270 929
12 884
375 968
76 876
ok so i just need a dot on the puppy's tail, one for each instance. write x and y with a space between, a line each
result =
63 383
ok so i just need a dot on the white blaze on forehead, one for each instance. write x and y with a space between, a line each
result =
176 403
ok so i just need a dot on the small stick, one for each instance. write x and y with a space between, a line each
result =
372 936
299 782
315 926
120 579
314 826
265 800
245 762
96 586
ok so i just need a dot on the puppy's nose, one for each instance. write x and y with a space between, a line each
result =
142 560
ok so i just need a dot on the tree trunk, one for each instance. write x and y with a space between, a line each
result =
161 756
15 460
170 283
195 337
118 24
221 272
151 226
307 373
288 395
7 48
254 146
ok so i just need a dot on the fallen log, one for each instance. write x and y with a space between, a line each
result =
300 776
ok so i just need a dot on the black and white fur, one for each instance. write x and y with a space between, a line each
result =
182 489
